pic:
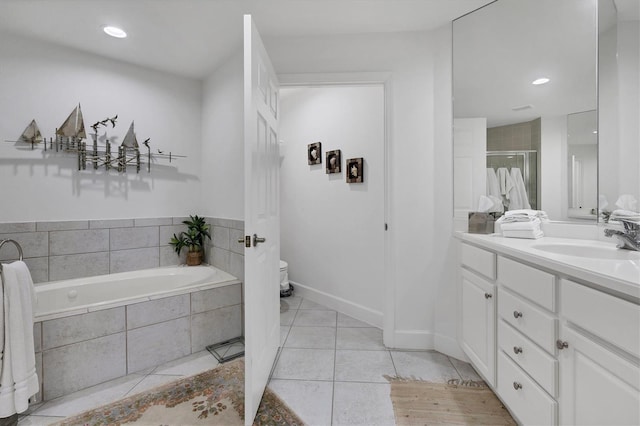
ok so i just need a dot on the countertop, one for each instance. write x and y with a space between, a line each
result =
618 273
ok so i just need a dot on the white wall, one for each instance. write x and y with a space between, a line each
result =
445 257
553 159
45 82
420 206
332 232
619 112
629 108
608 139
223 141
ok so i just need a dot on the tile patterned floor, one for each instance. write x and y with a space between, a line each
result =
330 370
331 367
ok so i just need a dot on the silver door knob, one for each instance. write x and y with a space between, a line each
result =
488 295
562 345
517 314
517 385
257 240
517 350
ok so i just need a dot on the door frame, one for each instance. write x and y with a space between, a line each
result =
355 79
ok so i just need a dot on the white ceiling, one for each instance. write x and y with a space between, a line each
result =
192 37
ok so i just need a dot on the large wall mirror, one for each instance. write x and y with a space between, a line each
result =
525 108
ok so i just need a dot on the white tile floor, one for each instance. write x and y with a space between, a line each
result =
331 368
330 371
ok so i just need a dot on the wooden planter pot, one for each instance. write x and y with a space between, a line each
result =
194 258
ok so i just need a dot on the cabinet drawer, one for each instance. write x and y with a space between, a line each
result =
479 260
530 404
541 366
537 286
615 320
530 320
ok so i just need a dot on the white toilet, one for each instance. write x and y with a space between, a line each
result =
284 276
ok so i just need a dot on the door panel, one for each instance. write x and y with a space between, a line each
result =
262 218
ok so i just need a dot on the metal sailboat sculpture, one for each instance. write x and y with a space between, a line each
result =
31 134
130 140
73 126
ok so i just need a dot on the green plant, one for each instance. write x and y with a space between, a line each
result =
193 239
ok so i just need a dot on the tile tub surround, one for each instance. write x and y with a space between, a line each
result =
83 248
80 351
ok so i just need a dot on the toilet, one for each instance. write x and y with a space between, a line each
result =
285 287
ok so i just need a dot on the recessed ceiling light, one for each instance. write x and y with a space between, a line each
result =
541 80
114 31
595 132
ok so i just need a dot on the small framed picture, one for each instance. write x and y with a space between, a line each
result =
333 161
314 153
355 170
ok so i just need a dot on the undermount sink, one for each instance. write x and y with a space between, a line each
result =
588 251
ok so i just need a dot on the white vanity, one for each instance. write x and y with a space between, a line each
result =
553 326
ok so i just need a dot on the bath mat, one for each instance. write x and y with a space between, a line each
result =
215 397
416 402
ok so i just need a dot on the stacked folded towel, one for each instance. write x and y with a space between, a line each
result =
522 223
625 214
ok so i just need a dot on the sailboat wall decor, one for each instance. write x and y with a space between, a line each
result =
70 139
73 126
31 134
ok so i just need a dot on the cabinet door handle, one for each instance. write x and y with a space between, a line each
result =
561 345
488 295
517 350
517 314
517 386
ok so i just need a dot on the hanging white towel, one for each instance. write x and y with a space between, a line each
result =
18 378
493 187
505 182
519 199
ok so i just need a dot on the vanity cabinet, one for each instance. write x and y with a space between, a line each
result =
562 352
478 331
600 371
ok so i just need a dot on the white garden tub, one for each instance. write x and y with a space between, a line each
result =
91 330
57 299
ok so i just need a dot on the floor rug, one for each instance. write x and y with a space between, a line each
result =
416 402
215 397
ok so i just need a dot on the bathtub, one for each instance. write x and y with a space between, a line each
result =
92 330
57 299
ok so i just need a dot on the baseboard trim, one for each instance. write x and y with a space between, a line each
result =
413 339
354 310
449 346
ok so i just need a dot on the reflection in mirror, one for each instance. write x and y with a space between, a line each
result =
507 126
619 107
582 152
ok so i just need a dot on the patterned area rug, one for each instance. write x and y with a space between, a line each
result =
416 402
215 397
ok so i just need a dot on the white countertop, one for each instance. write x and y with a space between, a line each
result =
618 273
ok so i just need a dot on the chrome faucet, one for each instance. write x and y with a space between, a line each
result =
629 238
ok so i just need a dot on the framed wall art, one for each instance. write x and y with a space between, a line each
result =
355 170
314 153
333 161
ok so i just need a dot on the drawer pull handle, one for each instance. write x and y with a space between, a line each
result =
517 350
488 295
562 345
517 314
517 386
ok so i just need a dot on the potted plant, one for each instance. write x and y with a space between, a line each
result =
193 239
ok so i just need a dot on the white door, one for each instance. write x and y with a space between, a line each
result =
597 387
469 166
262 218
478 324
